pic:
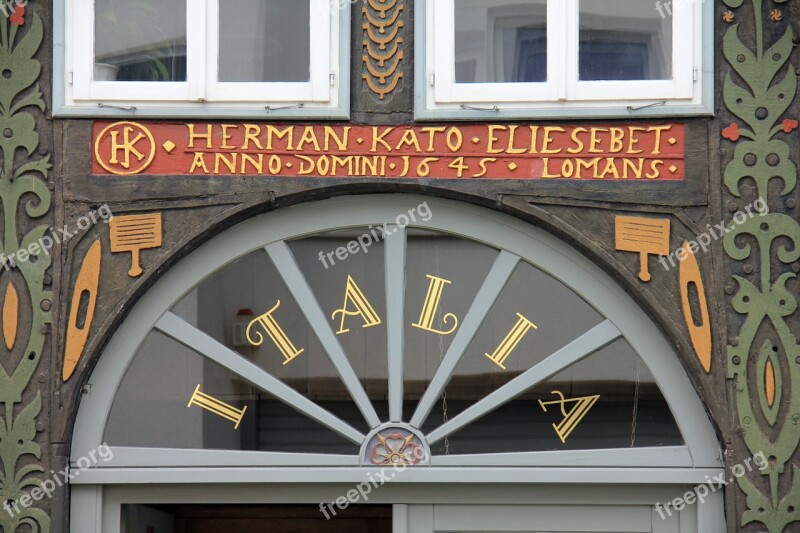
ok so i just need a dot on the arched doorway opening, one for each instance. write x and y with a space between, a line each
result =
422 361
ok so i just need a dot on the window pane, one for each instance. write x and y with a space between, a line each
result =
463 265
264 40
610 401
355 284
143 40
624 40
559 316
500 41
172 397
227 306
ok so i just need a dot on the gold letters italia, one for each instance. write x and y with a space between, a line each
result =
275 333
218 407
510 342
363 308
430 306
356 304
575 415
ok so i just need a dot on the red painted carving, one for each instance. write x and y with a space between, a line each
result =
731 132
621 152
17 17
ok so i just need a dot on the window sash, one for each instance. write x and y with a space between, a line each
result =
447 90
202 46
84 86
680 86
317 89
562 63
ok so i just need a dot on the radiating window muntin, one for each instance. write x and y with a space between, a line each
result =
629 410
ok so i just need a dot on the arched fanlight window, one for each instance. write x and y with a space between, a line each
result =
307 346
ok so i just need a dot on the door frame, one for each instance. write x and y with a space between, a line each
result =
425 507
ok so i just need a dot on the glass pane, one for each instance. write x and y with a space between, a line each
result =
264 40
443 274
171 397
248 298
142 40
530 296
500 41
612 401
356 285
624 40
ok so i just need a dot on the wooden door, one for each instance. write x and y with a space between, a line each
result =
280 519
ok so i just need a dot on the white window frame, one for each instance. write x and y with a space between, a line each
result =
317 89
325 95
438 96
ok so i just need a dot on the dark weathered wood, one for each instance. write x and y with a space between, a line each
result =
396 105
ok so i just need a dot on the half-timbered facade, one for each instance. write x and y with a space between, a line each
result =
405 266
